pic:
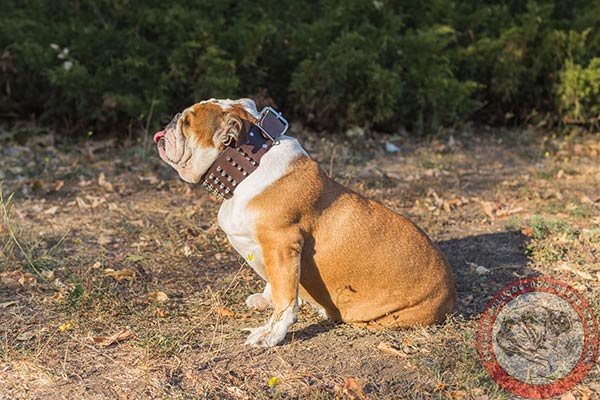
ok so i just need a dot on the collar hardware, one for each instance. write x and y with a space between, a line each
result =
239 160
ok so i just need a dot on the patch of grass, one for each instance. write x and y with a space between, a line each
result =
514 224
545 227
12 234
74 295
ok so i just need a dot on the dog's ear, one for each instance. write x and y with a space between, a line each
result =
231 130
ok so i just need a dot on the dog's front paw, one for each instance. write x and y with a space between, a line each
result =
266 336
258 301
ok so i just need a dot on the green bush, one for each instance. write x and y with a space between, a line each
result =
578 92
111 64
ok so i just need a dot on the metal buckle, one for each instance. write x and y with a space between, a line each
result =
278 116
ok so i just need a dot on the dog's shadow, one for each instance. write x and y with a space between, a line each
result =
503 256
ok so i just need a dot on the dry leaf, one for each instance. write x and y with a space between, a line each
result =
446 206
59 185
187 251
504 212
224 312
387 348
51 210
488 208
18 278
120 274
8 304
568 396
236 392
48 274
161 297
27 335
151 179
104 240
353 390
585 199
527 231
105 341
478 269
102 182
582 274
81 203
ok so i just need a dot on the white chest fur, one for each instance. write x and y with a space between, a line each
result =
234 217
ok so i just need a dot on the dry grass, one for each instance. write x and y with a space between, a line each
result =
78 210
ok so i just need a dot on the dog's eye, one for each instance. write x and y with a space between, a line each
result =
186 122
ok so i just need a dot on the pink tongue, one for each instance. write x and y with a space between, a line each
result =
158 135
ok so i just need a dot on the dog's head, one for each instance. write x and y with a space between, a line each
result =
193 140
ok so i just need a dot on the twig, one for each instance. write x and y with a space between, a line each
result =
148 120
331 161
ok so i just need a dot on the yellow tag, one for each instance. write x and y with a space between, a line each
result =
250 257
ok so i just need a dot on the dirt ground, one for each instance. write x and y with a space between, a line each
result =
116 282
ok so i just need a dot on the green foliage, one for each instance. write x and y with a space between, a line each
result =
578 92
103 65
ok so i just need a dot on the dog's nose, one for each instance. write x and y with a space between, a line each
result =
158 135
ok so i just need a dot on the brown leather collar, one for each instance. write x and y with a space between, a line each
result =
239 160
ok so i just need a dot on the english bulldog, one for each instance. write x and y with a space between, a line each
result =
308 236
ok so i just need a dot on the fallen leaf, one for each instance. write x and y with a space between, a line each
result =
187 251
236 392
18 278
446 206
102 182
527 231
585 199
59 185
48 274
105 341
51 210
95 201
151 179
104 240
135 257
456 394
82 204
387 348
8 304
504 212
224 312
582 274
568 396
488 208
27 335
353 390
121 274
478 269
161 297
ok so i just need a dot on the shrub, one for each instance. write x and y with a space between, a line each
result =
104 65
578 92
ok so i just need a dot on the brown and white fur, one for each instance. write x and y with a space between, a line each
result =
308 236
